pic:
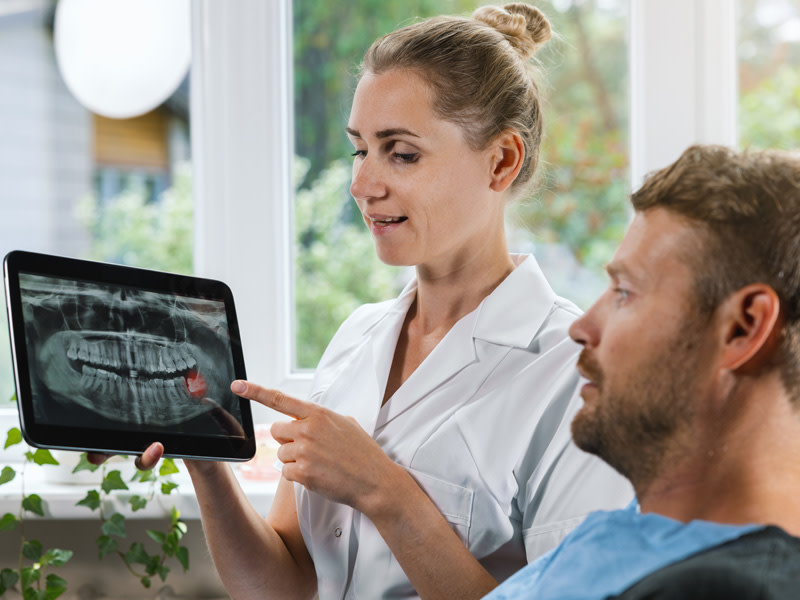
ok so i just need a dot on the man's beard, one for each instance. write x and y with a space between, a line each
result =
640 420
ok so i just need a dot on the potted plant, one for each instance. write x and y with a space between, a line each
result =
35 576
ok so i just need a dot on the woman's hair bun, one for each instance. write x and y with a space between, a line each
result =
524 26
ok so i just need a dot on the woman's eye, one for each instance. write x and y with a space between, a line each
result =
622 294
406 157
359 153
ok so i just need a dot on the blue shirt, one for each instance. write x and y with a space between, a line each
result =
609 552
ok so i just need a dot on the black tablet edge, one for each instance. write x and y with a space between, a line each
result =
21 261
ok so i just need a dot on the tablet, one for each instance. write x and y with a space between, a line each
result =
109 358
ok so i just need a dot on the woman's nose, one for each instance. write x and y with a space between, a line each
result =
367 181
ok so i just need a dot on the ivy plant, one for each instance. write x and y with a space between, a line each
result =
35 574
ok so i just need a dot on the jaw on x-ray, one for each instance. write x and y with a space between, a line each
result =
129 356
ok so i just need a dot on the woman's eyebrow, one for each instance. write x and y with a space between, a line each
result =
384 133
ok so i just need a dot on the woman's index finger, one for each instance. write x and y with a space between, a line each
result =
274 399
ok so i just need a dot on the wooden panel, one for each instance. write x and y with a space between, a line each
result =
137 142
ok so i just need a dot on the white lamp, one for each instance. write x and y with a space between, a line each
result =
122 58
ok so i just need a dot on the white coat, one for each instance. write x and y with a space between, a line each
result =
483 425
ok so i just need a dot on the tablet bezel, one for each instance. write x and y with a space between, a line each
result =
225 447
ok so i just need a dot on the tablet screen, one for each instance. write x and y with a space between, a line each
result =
111 358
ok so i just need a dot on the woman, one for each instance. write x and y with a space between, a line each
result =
434 458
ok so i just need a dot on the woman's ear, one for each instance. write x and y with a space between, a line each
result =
751 328
507 154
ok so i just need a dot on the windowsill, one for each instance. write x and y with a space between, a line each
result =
60 498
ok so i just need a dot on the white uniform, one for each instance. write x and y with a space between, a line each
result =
483 425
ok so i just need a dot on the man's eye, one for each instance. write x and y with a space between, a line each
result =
622 294
359 153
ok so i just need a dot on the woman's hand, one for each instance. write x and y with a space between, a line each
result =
324 451
144 462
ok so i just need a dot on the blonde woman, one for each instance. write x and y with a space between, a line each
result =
433 458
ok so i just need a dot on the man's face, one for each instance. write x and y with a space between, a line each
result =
645 350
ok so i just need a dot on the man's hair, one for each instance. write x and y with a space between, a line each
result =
746 208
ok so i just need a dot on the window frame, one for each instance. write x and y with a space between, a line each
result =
242 142
242 148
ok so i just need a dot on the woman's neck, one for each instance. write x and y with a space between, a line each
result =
448 293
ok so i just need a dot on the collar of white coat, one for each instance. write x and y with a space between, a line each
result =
509 316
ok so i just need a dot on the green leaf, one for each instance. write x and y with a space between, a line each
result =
115 525
183 557
56 557
153 565
43 457
144 476
54 586
158 536
163 571
8 522
106 545
29 576
113 481
137 502
145 582
14 437
31 593
167 467
137 554
85 465
32 549
34 504
92 500
174 516
13 398
8 579
7 475
166 488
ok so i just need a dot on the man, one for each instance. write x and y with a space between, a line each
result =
692 358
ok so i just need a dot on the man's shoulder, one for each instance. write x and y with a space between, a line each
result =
761 565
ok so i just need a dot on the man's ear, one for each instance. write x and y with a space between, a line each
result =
751 327
507 154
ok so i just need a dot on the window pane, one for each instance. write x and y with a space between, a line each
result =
79 184
769 73
571 224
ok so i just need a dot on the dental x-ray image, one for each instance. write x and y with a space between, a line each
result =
114 357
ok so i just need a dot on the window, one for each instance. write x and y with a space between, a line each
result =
572 224
77 183
681 65
769 73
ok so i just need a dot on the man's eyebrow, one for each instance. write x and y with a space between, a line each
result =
384 133
615 270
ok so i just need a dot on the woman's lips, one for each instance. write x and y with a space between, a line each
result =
382 224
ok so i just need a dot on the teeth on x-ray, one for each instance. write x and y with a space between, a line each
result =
129 356
141 357
145 376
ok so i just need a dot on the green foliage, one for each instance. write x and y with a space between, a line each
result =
769 112
336 266
29 577
132 231
14 437
7 475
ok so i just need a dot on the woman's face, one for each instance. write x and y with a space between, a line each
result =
423 192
